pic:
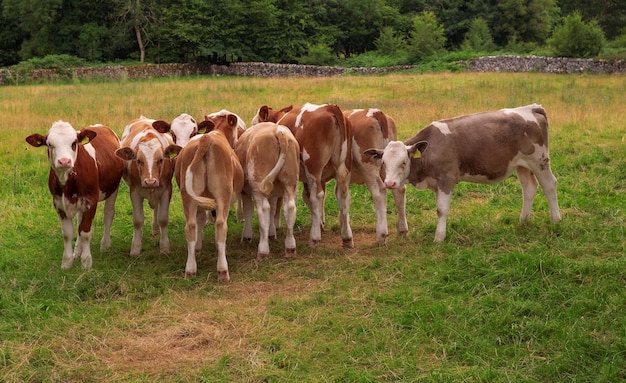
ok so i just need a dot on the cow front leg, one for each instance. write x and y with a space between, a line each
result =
379 197
162 212
67 227
443 206
138 219
399 198
83 241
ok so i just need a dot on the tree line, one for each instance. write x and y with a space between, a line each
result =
293 31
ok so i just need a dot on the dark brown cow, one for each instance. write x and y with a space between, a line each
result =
483 148
211 178
269 154
83 171
149 176
371 128
325 140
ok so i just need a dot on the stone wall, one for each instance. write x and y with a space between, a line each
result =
483 64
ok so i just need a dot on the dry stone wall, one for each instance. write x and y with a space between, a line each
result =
483 64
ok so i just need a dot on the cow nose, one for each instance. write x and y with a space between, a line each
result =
64 162
390 184
150 182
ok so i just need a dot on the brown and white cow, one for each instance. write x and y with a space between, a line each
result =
483 148
325 140
371 128
184 127
211 178
149 177
270 156
83 171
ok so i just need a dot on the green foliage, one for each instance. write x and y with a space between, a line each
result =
427 37
478 38
318 54
388 43
577 38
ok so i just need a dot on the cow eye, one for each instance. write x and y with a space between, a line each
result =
74 144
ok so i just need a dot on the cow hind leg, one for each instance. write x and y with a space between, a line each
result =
221 228
201 218
289 208
443 206
109 214
248 209
315 203
264 210
342 193
529 189
547 180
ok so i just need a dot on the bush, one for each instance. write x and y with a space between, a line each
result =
478 38
389 44
427 38
576 38
318 54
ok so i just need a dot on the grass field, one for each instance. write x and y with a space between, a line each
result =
496 302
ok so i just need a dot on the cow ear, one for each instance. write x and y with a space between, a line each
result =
374 154
287 109
161 126
172 151
36 140
85 136
125 153
232 120
264 113
205 126
416 150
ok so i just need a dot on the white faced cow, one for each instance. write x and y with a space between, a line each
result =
149 176
371 128
211 178
325 140
483 148
83 171
270 156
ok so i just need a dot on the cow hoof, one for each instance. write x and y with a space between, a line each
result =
348 243
190 274
261 256
403 232
246 239
381 240
290 253
272 237
314 243
223 276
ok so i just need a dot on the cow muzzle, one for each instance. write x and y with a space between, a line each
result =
391 184
64 163
150 183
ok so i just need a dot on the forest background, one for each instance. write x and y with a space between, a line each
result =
321 32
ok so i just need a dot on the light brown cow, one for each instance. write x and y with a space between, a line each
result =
270 156
83 171
210 178
483 148
325 140
149 176
184 127
371 128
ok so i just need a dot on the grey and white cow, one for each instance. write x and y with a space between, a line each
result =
483 148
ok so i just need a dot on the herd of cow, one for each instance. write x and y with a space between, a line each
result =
218 162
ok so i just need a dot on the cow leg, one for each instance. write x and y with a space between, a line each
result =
547 180
162 212
221 228
529 189
138 219
315 205
191 232
109 214
201 219
289 210
379 196
248 209
264 211
84 237
342 193
67 227
399 197
443 206
274 217
78 246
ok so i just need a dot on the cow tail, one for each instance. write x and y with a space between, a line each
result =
346 144
538 109
283 147
196 177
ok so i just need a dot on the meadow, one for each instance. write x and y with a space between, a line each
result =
498 301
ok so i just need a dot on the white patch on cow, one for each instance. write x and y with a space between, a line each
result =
354 111
149 148
240 122
305 155
397 164
90 150
372 111
282 129
442 126
250 166
308 107
141 136
184 127
526 112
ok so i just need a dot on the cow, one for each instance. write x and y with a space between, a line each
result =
482 148
269 154
325 140
184 127
148 174
371 128
83 171
211 178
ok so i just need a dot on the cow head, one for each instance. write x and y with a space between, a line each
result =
149 159
267 114
397 159
228 123
183 128
62 142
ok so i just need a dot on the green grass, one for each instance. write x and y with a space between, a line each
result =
496 302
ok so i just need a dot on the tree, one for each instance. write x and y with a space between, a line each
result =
388 44
478 38
576 38
427 37
139 16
